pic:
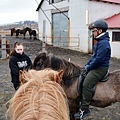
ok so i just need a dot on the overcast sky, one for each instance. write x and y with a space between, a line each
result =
18 10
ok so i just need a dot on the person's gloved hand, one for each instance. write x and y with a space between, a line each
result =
86 67
84 72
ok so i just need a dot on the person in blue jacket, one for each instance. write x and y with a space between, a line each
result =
96 67
18 61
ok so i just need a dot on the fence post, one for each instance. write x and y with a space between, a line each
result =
3 43
44 27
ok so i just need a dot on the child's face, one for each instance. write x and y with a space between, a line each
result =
19 49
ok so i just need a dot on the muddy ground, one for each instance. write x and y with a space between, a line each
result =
32 48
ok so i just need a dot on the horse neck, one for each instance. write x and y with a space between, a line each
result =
27 29
71 71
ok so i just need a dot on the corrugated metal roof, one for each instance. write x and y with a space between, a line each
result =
114 21
111 1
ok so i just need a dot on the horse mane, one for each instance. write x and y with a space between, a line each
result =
71 71
40 98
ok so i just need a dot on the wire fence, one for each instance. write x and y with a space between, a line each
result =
62 42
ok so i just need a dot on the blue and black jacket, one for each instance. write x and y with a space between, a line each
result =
101 53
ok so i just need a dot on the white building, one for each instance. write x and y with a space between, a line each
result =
67 22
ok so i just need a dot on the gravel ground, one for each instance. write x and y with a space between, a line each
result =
32 48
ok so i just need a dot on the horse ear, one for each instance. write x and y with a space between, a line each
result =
22 77
44 55
60 74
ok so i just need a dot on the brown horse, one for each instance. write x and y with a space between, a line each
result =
7 46
106 93
39 97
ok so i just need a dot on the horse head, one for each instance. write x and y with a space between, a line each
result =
53 75
41 95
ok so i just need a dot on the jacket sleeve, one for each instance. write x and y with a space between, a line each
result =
29 63
14 70
99 58
88 62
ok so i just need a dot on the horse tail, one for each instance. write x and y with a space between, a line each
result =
11 32
34 34
8 47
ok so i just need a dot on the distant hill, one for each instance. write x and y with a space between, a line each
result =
20 24
26 23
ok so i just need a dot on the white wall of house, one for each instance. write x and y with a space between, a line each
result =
77 15
78 27
103 10
45 7
115 45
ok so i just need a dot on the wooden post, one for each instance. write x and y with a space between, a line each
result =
44 27
3 48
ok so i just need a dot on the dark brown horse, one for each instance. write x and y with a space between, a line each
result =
24 31
21 31
106 93
13 30
31 33
7 46
18 31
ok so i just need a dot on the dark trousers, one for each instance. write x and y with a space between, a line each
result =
92 78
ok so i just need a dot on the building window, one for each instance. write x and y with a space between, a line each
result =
116 36
55 1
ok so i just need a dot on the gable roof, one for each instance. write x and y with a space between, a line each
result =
113 21
39 6
108 1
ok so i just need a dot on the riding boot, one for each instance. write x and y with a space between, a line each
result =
82 113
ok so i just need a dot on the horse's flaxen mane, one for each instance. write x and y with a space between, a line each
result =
51 61
39 98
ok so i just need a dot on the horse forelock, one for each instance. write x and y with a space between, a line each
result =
41 97
38 62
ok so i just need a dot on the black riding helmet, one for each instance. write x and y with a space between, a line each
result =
100 24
